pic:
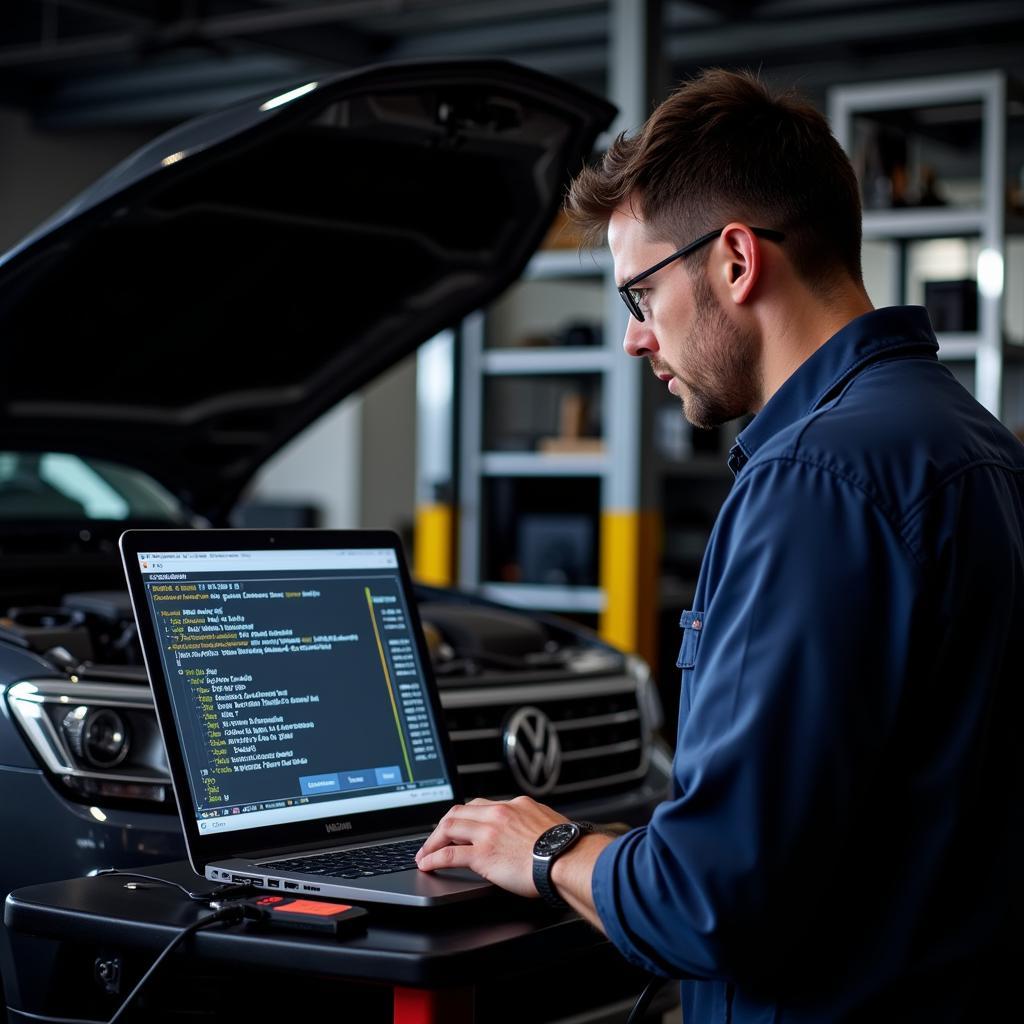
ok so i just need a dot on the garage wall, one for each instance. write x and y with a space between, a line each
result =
388 449
358 462
320 467
41 171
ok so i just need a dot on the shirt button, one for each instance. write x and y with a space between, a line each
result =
696 623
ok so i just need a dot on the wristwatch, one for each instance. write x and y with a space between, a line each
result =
549 847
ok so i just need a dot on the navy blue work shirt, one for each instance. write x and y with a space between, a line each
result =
843 842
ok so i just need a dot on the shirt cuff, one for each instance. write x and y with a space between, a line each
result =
609 889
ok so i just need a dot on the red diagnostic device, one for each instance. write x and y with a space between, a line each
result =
338 919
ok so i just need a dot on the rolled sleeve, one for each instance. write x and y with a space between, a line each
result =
808 594
616 891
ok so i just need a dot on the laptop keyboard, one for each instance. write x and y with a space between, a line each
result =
360 863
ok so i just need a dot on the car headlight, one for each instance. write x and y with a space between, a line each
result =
97 740
97 736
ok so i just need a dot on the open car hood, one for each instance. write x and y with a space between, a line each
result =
221 288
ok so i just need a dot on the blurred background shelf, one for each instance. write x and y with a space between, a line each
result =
922 223
931 156
539 464
546 597
545 360
550 263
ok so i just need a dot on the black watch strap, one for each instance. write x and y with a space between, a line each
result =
542 880
542 868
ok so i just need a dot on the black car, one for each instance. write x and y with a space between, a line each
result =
178 323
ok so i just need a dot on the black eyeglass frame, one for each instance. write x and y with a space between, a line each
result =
624 290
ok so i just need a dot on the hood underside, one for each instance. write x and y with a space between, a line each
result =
216 292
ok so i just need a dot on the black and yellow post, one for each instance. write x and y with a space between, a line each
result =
434 545
629 578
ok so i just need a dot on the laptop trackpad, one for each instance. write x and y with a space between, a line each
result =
428 883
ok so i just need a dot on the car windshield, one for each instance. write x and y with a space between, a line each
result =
59 486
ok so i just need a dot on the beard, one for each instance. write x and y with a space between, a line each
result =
725 381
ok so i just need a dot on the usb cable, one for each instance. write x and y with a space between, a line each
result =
219 892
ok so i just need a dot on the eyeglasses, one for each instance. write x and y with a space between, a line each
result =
633 301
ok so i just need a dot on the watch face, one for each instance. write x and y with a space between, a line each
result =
555 839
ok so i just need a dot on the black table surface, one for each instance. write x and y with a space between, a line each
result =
452 946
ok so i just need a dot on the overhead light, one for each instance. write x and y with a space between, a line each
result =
287 97
173 158
97 814
990 273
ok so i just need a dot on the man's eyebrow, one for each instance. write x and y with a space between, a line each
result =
642 284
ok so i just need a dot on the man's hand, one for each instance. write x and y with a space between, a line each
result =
493 838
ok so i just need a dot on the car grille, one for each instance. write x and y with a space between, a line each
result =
599 726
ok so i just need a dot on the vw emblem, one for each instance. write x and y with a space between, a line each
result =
532 751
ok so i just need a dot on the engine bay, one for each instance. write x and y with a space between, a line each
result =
87 633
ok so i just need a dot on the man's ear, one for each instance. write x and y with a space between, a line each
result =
740 251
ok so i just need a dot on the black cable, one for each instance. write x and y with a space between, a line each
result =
230 915
233 915
198 897
644 999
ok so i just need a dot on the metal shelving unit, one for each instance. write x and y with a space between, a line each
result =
608 484
547 596
552 360
480 363
568 263
985 222
922 223
537 464
629 472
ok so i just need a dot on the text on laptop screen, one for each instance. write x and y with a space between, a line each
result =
295 683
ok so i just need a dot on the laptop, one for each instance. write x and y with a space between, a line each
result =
297 705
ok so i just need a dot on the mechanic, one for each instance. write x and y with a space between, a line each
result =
843 841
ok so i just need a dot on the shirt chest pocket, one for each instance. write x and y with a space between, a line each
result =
692 624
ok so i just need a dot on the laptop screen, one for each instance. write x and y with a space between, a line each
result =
295 683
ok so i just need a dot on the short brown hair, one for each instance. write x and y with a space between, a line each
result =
723 147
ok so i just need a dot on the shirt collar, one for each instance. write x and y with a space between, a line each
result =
862 341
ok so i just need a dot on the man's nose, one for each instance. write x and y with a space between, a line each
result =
639 339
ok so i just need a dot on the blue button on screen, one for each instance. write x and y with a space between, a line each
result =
314 784
342 782
388 776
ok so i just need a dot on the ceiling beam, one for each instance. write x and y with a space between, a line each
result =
97 9
197 31
540 34
764 37
448 16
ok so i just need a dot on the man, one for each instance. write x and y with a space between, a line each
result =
844 837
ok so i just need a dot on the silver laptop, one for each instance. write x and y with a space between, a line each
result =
298 708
